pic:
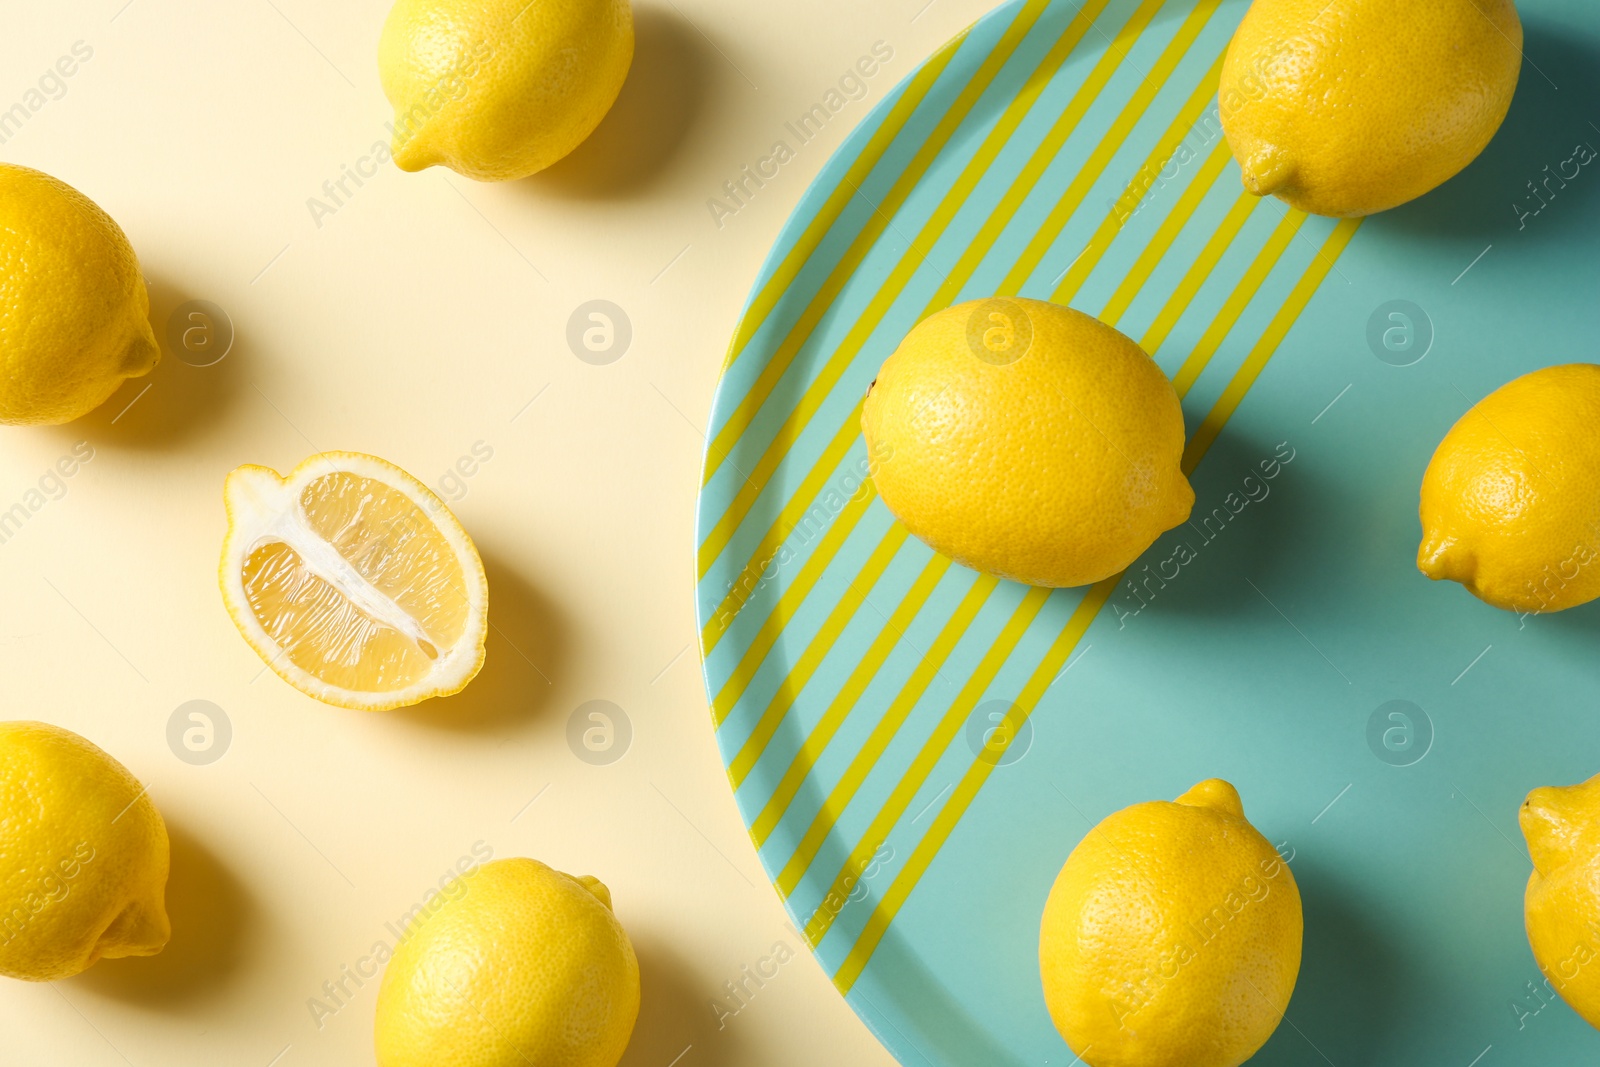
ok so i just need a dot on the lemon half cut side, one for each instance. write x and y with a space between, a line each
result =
353 581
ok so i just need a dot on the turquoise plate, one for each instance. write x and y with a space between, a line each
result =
916 748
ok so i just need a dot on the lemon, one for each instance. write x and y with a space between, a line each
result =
1561 907
1351 107
1511 499
1028 441
501 89
353 581
1171 936
524 965
74 313
85 856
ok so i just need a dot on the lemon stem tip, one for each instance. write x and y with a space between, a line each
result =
1267 171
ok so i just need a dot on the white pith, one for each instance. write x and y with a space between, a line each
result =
325 562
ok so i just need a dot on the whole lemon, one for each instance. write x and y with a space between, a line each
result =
85 856
524 965
500 89
1511 499
74 313
1561 907
1171 936
1028 441
1351 107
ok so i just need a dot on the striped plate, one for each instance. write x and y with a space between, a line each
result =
1382 728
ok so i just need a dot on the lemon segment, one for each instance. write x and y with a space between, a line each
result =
86 856
353 581
418 572
304 614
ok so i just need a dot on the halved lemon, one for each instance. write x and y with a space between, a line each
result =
353 581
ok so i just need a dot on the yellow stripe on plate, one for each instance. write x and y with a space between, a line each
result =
823 733
840 707
1110 61
847 432
927 758
788 603
777 805
1110 145
806 664
1134 281
823 822
1188 116
782 528
967 789
1243 292
996 655
818 391
1198 272
766 299
1222 323
1277 329
742 415
883 733
972 781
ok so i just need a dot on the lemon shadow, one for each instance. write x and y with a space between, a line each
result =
1581 621
210 911
1350 997
178 399
675 1014
644 131
1549 115
1243 522
522 666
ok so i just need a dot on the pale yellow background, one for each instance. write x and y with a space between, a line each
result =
414 324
